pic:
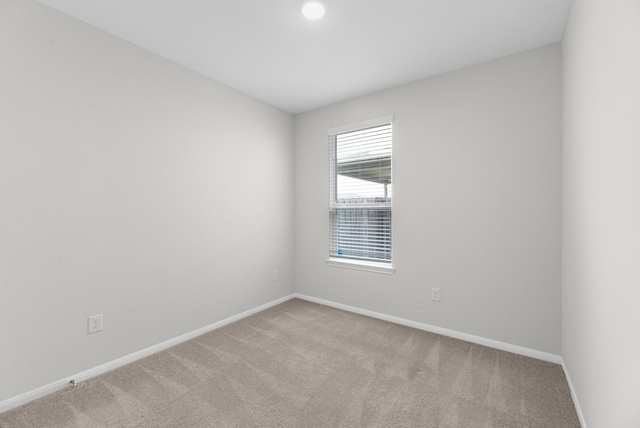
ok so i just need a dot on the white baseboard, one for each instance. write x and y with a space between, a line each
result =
545 356
127 359
574 396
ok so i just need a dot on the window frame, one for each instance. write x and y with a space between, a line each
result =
377 266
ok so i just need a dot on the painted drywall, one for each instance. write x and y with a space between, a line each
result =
129 187
601 224
477 201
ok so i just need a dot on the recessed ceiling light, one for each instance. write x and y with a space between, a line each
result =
312 9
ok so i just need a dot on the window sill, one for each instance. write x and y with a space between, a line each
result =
365 266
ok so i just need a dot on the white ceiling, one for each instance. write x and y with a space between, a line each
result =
267 49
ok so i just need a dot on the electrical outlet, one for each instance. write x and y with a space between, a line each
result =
435 294
274 275
95 323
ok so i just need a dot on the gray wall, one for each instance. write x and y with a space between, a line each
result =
130 187
601 227
477 201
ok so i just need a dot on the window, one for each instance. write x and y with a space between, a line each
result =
360 196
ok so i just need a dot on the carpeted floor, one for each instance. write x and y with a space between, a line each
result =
304 365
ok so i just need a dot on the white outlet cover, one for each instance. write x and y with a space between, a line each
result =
95 323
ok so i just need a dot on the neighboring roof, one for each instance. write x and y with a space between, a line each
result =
376 169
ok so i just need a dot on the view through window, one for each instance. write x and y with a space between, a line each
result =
361 193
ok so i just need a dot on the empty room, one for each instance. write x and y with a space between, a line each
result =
320 213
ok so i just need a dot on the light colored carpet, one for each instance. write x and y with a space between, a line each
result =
304 365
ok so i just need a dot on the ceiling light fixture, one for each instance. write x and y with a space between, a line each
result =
312 9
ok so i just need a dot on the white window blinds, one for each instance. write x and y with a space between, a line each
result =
360 194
